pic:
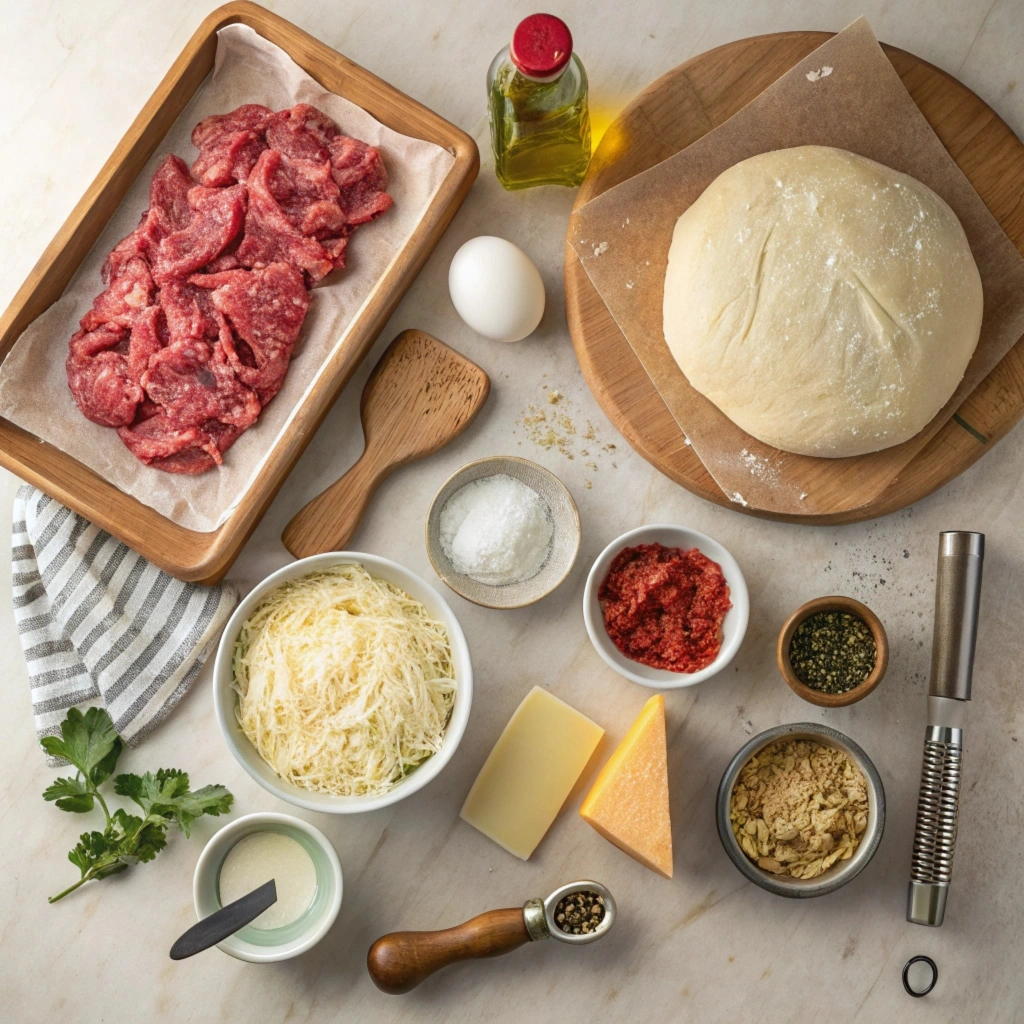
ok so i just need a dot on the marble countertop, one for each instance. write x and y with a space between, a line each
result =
707 946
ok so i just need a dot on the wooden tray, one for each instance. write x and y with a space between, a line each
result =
188 554
678 109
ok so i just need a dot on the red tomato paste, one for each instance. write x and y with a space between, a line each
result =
664 607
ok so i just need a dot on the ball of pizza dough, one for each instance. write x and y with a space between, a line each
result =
827 304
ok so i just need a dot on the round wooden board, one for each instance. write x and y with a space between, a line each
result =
678 109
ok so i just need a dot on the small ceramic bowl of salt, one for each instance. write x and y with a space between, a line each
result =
503 532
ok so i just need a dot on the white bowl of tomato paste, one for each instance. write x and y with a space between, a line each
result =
666 606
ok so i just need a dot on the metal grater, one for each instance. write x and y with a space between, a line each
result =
957 595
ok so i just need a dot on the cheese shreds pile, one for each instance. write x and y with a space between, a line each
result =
345 683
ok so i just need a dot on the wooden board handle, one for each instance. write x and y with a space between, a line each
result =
329 521
398 962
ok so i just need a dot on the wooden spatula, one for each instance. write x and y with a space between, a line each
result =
420 396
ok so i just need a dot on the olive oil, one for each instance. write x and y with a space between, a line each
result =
537 93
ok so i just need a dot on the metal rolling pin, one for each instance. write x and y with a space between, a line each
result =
957 594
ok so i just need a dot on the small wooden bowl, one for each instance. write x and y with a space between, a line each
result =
833 604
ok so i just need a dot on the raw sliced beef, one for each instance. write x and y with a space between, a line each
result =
302 132
217 216
161 443
250 117
197 408
190 314
229 145
128 294
270 237
194 383
359 173
227 260
265 310
196 459
308 196
230 161
335 247
205 299
168 212
169 208
147 338
105 367
98 375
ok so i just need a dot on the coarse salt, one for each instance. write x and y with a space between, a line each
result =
496 530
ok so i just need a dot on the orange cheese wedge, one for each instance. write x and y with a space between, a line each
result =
628 804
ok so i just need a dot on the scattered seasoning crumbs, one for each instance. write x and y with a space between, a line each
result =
547 433
832 652
555 429
579 913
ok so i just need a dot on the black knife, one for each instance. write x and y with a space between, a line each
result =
224 922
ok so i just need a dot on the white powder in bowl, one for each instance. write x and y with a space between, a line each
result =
496 530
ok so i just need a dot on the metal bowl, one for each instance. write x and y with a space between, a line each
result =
565 543
841 872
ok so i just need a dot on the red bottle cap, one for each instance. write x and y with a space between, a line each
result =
541 45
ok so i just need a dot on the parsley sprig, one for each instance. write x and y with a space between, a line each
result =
90 742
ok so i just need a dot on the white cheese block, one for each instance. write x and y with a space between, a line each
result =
530 772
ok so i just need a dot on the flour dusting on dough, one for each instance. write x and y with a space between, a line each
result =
835 316
759 466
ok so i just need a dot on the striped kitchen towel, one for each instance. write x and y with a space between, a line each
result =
100 624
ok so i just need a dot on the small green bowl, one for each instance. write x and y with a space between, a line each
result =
268 945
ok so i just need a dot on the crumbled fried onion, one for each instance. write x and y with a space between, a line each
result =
798 807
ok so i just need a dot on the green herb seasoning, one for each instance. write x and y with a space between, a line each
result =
580 913
832 651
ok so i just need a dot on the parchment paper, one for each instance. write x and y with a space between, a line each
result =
845 94
33 384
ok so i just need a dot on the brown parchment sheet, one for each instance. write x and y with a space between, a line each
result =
845 94
33 384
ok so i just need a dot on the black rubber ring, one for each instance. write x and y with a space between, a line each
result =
906 969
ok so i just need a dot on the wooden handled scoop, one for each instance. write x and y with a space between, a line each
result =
420 396
400 961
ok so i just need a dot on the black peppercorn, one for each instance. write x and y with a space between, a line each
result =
832 652
580 913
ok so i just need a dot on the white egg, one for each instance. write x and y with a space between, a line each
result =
496 289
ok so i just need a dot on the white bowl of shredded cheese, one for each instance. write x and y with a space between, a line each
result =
343 683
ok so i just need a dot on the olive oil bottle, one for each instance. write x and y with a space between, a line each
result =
537 90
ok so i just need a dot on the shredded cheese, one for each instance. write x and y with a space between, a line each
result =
345 683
